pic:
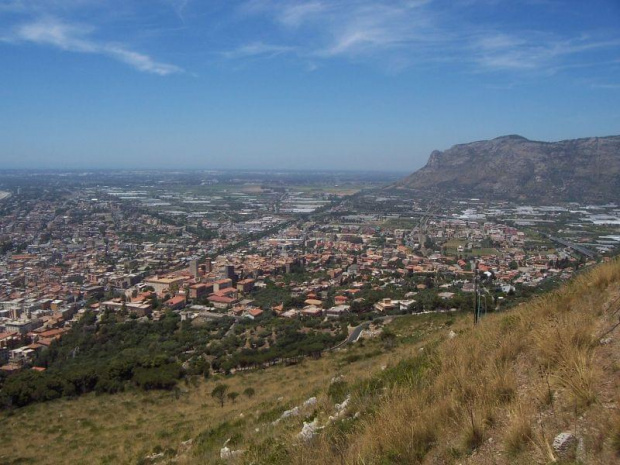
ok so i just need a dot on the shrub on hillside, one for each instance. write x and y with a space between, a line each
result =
160 377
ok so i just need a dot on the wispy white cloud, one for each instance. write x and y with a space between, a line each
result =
391 34
296 15
179 7
258 49
505 52
401 33
46 6
140 61
349 28
289 14
78 39
372 28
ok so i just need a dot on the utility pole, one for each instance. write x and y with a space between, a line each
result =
476 291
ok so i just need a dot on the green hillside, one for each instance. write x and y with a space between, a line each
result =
423 389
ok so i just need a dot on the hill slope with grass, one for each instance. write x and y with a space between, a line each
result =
425 389
502 392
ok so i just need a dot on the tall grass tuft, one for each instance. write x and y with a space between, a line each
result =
519 432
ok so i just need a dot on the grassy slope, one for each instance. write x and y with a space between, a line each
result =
126 427
501 392
495 394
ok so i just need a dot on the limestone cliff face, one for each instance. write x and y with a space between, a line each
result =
513 167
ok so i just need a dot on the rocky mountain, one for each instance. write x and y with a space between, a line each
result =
515 168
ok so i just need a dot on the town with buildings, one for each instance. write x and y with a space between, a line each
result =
254 256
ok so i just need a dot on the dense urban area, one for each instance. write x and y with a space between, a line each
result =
118 279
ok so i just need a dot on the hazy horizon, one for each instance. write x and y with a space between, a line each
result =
297 85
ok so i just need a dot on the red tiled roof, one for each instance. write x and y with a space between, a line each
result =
225 292
50 333
175 300
220 299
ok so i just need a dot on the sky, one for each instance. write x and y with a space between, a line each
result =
307 84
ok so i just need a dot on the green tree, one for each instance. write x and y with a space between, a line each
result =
388 338
249 392
233 396
219 393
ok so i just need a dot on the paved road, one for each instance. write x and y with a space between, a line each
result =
575 247
355 334
352 337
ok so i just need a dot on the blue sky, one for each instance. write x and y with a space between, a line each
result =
275 84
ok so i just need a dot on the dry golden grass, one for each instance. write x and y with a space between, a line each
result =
614 428
495 394
519 431
126 427
517 379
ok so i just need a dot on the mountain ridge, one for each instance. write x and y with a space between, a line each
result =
512 167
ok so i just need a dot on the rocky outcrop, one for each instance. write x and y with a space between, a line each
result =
515 168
